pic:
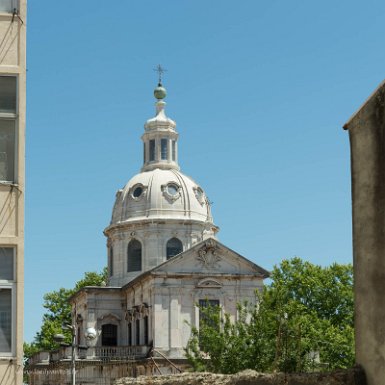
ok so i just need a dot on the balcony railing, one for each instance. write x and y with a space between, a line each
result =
91 353
116 352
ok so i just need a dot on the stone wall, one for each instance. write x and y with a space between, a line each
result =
367 145
354 376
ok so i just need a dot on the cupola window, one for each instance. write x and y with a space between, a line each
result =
144 152
173 150
152 150
174 247
134 256
200 195
163 149
137 192
172 189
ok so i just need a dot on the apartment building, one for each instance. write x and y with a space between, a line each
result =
12 183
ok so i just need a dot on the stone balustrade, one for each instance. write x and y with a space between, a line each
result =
91 353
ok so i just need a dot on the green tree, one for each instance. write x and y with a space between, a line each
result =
305 312
59 312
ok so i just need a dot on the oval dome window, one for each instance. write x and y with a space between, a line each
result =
137 192
172 189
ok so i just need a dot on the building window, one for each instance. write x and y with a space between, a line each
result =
7 6
145 324
8 110
137 332
7 311
173 150
6 263
7 150
144 152
174 247
206 305
109 335
137 191
152 150
5 320
163 149
7 93
111 262
134 256
129 332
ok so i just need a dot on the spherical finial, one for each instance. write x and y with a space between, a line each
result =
160 92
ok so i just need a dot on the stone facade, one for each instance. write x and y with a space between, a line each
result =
12 182
163 260
158 308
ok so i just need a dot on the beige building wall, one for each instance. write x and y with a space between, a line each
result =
12 182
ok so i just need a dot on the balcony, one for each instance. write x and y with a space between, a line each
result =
115 352
94 353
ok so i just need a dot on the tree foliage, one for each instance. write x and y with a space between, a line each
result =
303 321
58 313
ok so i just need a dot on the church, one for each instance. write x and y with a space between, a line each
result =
164 262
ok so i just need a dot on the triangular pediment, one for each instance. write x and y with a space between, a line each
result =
210 257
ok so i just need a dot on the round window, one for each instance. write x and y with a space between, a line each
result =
137 192
199 193
172 189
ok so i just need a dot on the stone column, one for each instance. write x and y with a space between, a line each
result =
367 143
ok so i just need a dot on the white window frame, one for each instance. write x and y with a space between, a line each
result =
13 117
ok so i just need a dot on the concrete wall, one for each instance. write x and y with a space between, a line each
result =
13 62
367 143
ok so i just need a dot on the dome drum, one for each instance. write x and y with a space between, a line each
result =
154 240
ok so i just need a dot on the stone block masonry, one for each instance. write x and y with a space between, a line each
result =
354 376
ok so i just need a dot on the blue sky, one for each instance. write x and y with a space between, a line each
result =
260 91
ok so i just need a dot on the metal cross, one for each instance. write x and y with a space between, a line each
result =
160 71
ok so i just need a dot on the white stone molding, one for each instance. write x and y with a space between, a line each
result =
109 316
142 194
200 195
208 256
171 197
209 283
129 315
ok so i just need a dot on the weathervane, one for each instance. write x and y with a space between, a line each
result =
160 71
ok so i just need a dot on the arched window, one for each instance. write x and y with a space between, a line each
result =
174 247
109 335
134 256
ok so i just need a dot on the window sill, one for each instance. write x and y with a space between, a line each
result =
7 358
7 183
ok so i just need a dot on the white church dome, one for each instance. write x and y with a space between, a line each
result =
160 212
161 194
